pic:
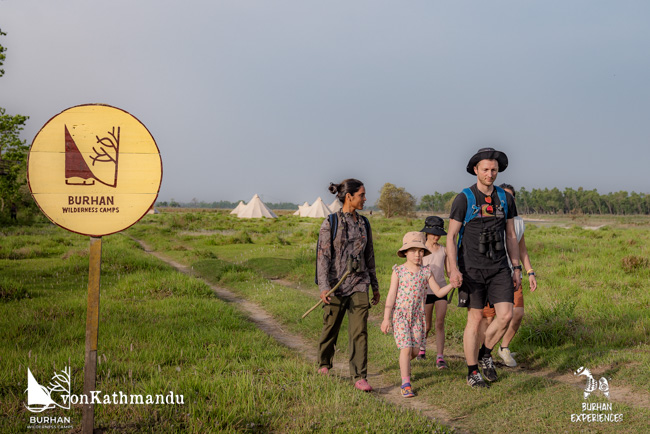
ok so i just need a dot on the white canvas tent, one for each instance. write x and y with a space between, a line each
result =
336 205
256 209
240 206
302 209
318 209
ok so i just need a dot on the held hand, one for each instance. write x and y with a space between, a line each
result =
375 297
385 326
325 299
533 283
456 278
516 278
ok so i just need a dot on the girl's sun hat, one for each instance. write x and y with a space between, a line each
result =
413 239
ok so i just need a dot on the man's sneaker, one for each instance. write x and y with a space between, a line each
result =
475 380
422 355
407 390
440 363
487 366
506 356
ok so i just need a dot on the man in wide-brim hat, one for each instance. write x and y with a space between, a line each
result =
478 261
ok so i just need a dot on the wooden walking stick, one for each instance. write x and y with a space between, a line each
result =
353 265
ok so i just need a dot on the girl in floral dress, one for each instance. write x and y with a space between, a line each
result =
405 303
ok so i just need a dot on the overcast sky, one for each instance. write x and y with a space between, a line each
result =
281 97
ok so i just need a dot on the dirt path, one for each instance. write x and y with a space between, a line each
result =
383 387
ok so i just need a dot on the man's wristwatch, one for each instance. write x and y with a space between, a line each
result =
518 267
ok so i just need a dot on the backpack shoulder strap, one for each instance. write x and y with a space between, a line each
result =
366 222
470 213
334 226
334 223
503 199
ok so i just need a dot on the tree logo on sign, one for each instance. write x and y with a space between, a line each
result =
103 160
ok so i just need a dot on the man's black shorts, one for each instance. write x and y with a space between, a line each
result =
481 287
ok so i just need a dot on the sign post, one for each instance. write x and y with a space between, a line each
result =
94 170
92 331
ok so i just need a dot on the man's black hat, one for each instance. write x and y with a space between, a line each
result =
487 154
434 225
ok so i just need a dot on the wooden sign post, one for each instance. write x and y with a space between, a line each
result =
94 170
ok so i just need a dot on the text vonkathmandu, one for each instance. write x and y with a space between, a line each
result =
96 397
596 417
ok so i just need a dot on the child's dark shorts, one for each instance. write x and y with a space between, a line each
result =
481 287
432 298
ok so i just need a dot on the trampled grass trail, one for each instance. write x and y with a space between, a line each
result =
525 399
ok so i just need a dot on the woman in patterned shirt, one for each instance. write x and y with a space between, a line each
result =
351 237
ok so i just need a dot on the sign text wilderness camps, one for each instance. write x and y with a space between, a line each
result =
89 201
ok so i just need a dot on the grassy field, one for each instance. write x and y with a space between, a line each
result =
160 330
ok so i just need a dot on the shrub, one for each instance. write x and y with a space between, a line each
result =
633 263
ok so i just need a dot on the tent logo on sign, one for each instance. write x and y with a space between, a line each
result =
101 154
41 398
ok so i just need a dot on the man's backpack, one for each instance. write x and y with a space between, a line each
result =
473 209
334 225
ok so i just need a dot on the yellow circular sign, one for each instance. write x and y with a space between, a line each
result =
94 169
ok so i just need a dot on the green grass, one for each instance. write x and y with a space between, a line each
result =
592 308
161 331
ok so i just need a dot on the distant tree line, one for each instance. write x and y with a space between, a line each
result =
583 201
396 201
555 201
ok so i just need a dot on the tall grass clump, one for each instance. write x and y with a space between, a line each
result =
239 237
552 326
12 289
631 263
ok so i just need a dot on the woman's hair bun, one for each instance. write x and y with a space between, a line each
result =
333 188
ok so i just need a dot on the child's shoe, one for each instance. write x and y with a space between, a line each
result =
440 363
407 391
422 355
